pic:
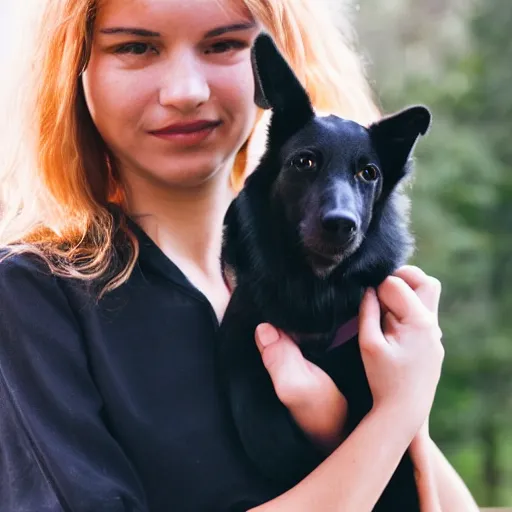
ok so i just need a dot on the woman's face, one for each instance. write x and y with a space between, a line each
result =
170 87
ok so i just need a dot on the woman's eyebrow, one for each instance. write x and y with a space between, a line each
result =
130 30
234 27
142 32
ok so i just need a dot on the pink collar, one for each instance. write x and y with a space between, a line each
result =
345 333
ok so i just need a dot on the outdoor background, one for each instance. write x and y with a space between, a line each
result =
455 56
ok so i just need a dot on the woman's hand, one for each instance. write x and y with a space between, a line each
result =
403 358
420 448
314 401
310 395
428 291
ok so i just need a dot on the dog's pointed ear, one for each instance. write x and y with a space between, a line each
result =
395 136
276 86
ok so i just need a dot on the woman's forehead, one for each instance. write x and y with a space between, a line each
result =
194 13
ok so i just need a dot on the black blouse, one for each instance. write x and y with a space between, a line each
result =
113 405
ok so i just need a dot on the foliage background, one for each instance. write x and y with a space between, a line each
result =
455 56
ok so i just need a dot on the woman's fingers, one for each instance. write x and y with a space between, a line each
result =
426 287
309 394
277 350
296 380
370 331
399 299
265 335
402 373
284 362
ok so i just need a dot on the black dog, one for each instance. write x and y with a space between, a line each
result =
317 223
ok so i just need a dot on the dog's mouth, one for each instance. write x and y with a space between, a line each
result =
326 254
325 257
321 260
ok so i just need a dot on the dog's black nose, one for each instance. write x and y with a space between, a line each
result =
340 223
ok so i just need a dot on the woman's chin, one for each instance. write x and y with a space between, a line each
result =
185 174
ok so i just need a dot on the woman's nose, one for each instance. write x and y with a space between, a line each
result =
185 86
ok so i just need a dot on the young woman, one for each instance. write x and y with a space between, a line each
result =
141 127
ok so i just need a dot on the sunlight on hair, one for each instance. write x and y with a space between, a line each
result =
17 30
17 19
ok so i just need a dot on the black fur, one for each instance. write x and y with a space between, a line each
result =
304 239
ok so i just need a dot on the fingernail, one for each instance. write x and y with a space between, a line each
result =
371 292
267 334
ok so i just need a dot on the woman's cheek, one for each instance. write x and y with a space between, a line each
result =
233 81
110 89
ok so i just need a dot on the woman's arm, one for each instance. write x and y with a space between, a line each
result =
439 478
298 384
441 488
453 493
56 453
424 472
403 367
354 476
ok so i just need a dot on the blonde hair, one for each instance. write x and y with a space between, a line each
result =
59 180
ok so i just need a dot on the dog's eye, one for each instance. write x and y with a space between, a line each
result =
304 162
368 173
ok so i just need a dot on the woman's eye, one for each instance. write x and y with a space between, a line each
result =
368 173
135 49
304 162
225 46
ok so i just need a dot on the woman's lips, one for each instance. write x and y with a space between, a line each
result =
187 133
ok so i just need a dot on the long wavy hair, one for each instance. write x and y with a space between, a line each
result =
58 177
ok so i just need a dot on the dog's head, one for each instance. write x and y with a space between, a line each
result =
328 174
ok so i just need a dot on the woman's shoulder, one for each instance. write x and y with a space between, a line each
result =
22 272
29 266
37 317
16 267
28 286
31 283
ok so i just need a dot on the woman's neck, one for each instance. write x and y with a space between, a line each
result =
186 224
183 222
